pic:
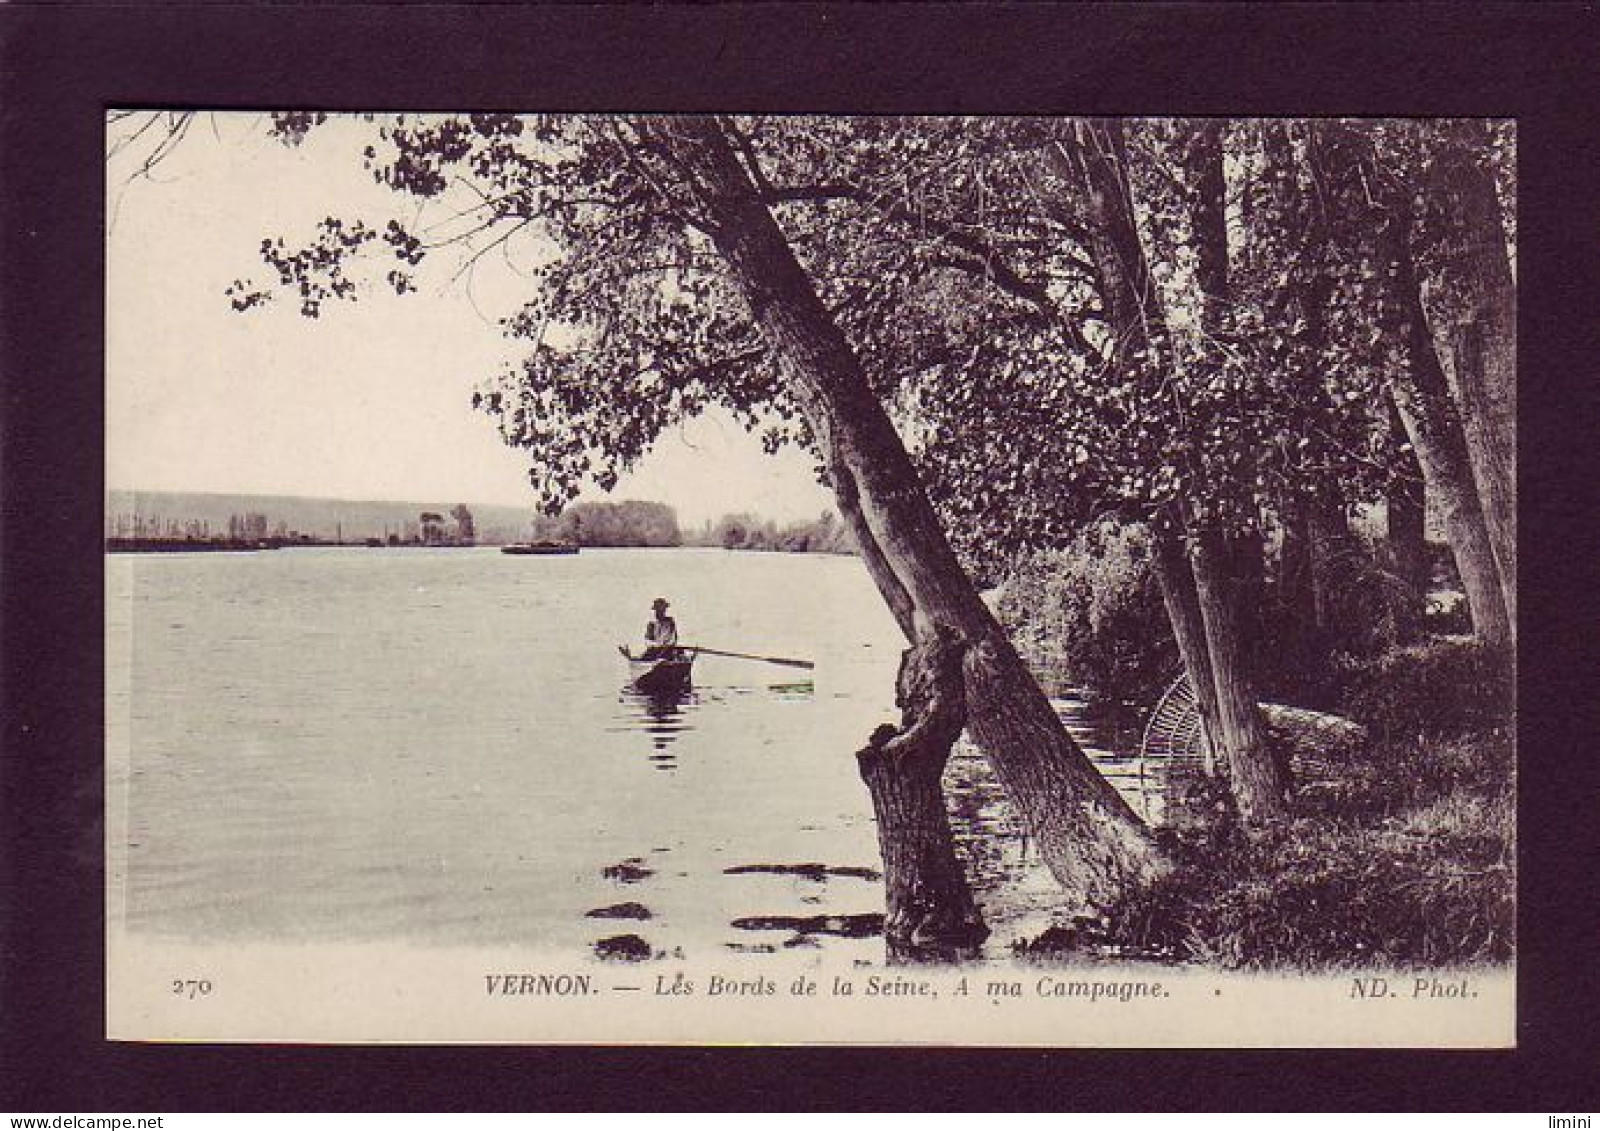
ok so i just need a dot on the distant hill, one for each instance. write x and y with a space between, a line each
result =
320 518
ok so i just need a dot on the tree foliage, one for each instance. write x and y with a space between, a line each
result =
823 535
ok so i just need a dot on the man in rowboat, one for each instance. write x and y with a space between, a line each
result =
661 634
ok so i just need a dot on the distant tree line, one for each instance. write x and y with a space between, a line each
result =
629 523
744 531
635 523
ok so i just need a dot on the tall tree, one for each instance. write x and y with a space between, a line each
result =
1469 295
1433 426
1226 555
1097 156
1382 329
1284 272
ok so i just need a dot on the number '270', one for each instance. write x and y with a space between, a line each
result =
191 987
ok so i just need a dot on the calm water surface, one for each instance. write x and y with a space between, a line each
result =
437 746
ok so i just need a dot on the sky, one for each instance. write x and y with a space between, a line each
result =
369 401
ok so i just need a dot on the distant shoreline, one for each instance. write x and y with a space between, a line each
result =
183 546
237 546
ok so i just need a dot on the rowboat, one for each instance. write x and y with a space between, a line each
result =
667 675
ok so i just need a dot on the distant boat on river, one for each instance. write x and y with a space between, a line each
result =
539 548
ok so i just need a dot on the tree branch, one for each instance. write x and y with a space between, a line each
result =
985 259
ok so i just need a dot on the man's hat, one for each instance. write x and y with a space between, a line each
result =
659 603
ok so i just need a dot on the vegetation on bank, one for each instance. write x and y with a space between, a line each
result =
627 523
1400 851
639 523
823 535
1093 612
1406 860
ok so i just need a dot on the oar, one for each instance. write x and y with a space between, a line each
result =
747 656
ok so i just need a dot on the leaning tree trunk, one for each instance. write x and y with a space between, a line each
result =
1435 436
1471 303
878 566
1422 397
1176 581
932 915
1085 832
1258 777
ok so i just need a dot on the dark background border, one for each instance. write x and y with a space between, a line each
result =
60 66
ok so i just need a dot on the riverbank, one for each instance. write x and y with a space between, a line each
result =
187 546
1401 853
245 545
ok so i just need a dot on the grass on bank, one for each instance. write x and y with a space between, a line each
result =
1402 854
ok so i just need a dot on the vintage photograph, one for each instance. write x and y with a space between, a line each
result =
1012 581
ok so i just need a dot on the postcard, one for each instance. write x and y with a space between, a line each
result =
739 579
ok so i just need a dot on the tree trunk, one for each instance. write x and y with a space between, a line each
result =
1471 303
1259 779
932 916
1298 253
1086 834
878 567
1227 568
1208 217
1422 397
1407 548
1092 156
1248 560
1176 581
1226 584
1435 437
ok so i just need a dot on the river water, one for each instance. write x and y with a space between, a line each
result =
437 747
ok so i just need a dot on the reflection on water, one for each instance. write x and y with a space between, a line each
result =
622 911
664 716
1010 884
630 871
803 930
818 872
661 715
623 948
